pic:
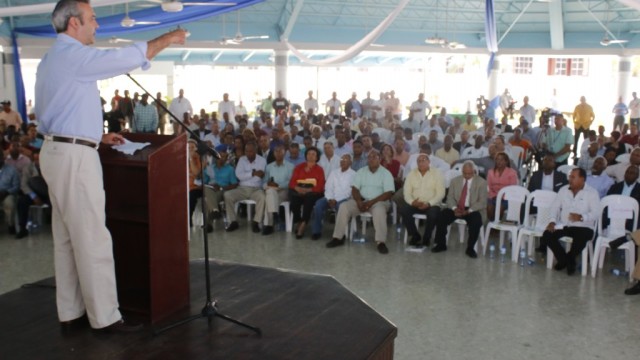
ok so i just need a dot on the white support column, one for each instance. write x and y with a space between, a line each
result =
624 74
493 78
281 62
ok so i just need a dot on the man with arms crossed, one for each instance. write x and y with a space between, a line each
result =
68 108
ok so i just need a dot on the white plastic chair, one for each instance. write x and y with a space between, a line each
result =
516 155
364 217
620 208
451 174
623 158
566 169
587 254
249 204
515 196
288 216
417 218
628 148
535 225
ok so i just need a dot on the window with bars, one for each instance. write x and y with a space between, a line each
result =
567 67
523 65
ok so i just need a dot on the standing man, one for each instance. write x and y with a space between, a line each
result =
145 117
583 116
419 109
334 104
227 106
311 104
162 113
527 111
10 116
634 109
558 141
620 110
353 105
178 107
83 250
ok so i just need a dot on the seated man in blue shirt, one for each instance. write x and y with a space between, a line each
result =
9 185
276 186
219 177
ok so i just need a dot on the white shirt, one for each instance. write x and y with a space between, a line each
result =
528 112
586 203
634 108
241 110
329 165
547 182
319 143
419 110
215 139
473 153
228 107
244 169
335 104
311 104
179 106
426 128
435 162
338 186
617 171
380 113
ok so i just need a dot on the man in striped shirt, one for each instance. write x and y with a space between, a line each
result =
145 117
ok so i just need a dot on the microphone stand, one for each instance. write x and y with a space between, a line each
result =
209 310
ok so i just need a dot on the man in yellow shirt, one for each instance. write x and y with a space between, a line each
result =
423 191
583 117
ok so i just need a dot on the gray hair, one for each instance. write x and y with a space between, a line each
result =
469 163
63 12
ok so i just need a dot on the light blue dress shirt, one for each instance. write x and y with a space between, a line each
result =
66 94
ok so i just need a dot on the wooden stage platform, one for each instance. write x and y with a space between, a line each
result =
302 316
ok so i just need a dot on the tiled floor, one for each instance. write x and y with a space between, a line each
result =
446 306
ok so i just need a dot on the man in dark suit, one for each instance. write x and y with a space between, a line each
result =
467 199
547 178
265 150
463 143
202 129
629 187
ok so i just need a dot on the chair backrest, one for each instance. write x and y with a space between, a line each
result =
566 169
515 196
620 208
517 153
466 153
623 158
507 136
628 148
542 201
450 175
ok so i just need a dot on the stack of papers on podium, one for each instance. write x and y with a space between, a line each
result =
130 147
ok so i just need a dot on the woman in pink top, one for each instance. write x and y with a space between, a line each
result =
497 178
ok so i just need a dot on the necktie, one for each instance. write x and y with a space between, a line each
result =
463 197
316 144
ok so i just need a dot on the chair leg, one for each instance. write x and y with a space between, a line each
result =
461 230
549 258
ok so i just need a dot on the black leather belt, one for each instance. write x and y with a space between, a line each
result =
73 141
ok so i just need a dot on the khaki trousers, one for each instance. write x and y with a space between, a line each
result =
8 206
231 197
273 198
213 199
350 209
83 250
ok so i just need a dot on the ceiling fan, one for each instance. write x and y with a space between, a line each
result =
608 37
129 22
177 6
238 38
606 41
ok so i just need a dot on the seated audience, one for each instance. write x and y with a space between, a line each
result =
337 190
500 176
573 214
371 189
305 188
466 200
276 187
547 178
598 179
423 192
391 164
34 192
447 152
250 172
220 177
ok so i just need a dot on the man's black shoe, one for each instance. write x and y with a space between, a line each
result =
22 234
634 290
559 266
571 267
122 326
416 240
471 253
316 236
268 230
75 324
426 241
255 227
232 227
209 228
439 248
216 215
382 248
12 230
335 243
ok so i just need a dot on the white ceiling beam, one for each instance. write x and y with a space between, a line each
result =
185 56
556 25
292 20
248 56
515 21
217 56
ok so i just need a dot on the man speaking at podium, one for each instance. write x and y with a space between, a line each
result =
69 110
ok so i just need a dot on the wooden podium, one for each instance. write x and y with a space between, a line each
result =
147 215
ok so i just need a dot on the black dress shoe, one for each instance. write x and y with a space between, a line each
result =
299 236
416 240
232 227
215 215
571 267
122 326
316 236
335 243
268 230
471 253
559 266
12 230
22 234
209 228
75 324
255 227
634 290
439 248
426 242
382 248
